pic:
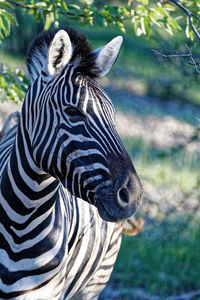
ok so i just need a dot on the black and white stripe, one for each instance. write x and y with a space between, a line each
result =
64 149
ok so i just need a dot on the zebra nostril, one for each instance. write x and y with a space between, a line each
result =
123 195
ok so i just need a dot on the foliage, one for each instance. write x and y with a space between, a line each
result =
170 15
13 83
143 14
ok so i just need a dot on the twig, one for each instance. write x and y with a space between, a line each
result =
189 54
190 15
192 60
171 55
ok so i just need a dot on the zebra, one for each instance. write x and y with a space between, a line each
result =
67 182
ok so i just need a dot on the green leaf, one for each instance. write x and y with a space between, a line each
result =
5 4
48 21
1 35
161 11
191 35
169 7
173 23
154 17
18 91
142 25
135 24
64 5
147 26
187 31
10 18
5 25
121 26
2 81
107 17
141 10
125 11
169 29
137 28
2 24
13 83
144 2
22 1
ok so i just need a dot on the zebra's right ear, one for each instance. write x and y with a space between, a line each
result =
59 53
107 55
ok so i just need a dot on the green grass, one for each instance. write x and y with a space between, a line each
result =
172 167
162 261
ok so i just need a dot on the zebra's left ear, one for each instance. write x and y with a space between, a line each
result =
60 52
107 55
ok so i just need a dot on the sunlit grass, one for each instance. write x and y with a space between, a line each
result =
185 179
162 261
170 167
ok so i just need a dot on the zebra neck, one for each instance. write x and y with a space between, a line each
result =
26 192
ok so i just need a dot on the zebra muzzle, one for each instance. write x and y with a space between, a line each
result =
121 199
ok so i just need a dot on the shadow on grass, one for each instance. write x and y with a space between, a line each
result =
162 261
140 149
124 99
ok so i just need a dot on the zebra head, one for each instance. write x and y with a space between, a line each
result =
71 124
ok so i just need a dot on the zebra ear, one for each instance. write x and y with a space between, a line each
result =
60 52
107 55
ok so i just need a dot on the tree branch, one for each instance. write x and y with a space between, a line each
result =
26 6
192 61
171 55
190 15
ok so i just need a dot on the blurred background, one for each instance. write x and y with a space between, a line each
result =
158 110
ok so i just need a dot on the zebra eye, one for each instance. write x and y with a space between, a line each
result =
75 114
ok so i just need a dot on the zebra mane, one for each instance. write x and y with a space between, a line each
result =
83 56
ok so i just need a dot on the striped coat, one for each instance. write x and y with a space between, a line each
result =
54 245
